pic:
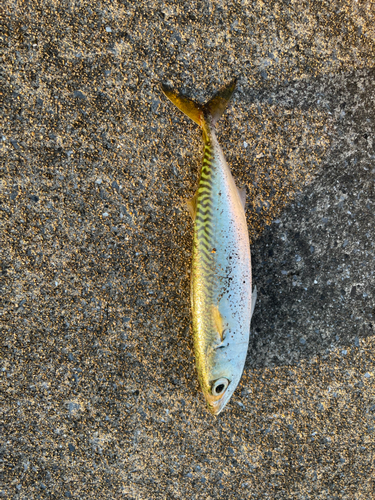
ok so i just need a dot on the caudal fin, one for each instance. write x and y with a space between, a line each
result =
211 111
219 102
189 107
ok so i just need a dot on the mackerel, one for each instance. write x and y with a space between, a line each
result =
221 300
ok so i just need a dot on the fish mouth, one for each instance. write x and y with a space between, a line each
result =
216 407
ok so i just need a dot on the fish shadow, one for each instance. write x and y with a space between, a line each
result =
313 265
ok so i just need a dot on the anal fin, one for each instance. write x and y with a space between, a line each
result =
253 300
242 194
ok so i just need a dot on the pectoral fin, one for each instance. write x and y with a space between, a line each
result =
218 321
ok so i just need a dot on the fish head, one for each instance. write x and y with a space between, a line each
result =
221 375
218 392
218 395
221 361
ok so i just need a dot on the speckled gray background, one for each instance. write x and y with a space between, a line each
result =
99 396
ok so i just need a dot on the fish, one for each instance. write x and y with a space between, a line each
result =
222 301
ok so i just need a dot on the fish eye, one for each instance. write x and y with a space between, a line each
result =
219 386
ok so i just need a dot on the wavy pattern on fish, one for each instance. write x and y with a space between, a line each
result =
221 298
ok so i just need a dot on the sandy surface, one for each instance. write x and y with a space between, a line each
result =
99 394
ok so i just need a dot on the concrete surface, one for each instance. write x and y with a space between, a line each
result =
99 394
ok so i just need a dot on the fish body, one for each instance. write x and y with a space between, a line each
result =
221 298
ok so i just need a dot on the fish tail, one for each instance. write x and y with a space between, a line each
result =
189 107
216 106
209 112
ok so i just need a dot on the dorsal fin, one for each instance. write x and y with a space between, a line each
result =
191 205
